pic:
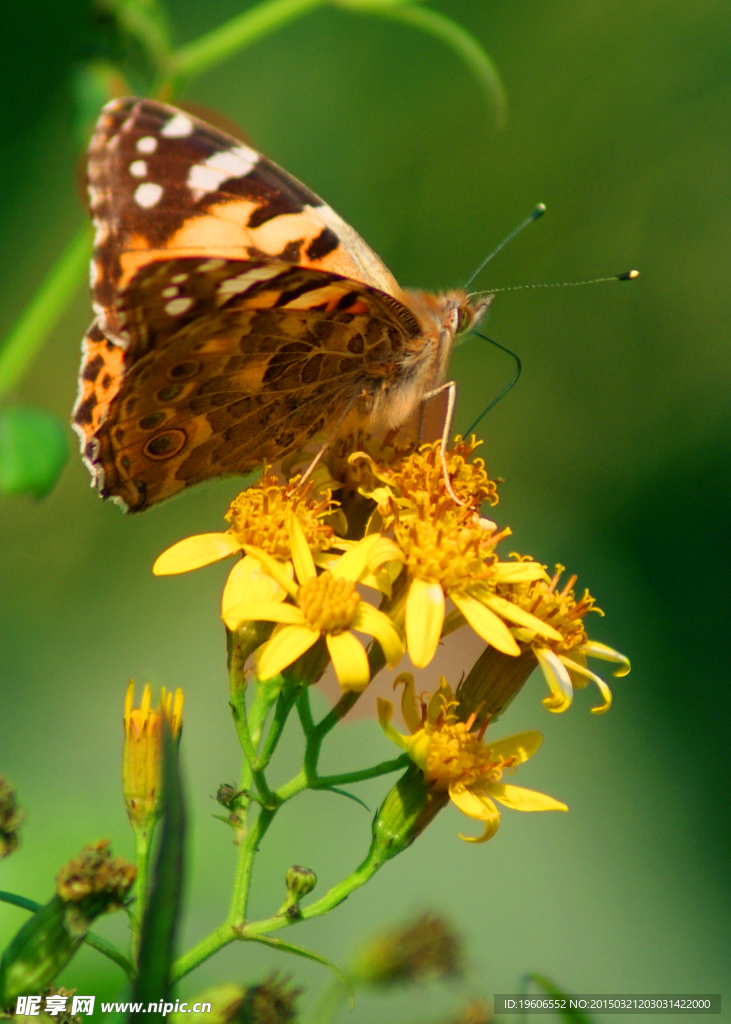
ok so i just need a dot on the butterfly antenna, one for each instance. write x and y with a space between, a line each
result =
628 275
508 386
538 212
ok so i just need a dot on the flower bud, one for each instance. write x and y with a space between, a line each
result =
89 885
494 680
142 758
407 810
225 795
272 1002
300 882
424 950
11 819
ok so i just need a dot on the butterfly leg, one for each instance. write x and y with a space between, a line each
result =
451 388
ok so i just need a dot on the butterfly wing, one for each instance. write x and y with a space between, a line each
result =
230 363
163 183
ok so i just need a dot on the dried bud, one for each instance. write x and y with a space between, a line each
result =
272 1002
300 882
142 759
11 819
225 795
424 950
90 884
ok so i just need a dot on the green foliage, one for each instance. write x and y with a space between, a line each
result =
33 451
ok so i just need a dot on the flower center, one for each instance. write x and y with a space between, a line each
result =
328 603
440 551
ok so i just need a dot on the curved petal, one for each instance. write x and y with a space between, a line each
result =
588 674
304 565
486 624
523 799
519 747
263 611
385 713
274 568
514 613
442 702
248 583
370 620
353 564
424 619
349 661
284 647
559 682
519 572
194 552
410 705
596 650
475 806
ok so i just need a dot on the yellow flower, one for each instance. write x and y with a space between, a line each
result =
259 518
562 660
326 605
142 757
457 760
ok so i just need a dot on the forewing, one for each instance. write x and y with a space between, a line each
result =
163 183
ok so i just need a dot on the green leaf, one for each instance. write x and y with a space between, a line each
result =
344 792
160 920
288 947
573 1016
33 451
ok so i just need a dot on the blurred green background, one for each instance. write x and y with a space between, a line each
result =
615 449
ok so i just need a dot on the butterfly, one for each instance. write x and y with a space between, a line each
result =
236 314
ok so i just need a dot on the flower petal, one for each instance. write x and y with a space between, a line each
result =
559 682
349 661
596 650
263 611
304 565
424 619
194 552
523 799
370 620
410 706
385 713
352 565
588 674
477 806
284 647
520 747
274 568
248 583
519 572
514 613
486 624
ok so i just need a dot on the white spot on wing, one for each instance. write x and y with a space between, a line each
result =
169 293
242 283
147 144
178 306
179 278
219 167
178 127
211 265
138 169
148 194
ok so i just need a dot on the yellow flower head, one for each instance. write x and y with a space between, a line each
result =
457 760
142 758
325 604
259 518
563 659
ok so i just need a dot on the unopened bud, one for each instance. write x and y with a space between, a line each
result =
424 950
225 795
300 882
88 886
10 820
142 759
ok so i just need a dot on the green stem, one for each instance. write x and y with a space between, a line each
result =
96 942
224 41
325 781
143 846
44 309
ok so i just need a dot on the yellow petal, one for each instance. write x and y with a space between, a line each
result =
523 799
349 661
588 674
424 619
194 552
275 569
596 650
486 624
385 713
304 565
559 682
477 806
352 565
521 746
263 611
283 648
370 620
514 613
441 703
519 572
410 706
248 583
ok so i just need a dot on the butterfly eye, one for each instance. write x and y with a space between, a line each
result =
464 319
